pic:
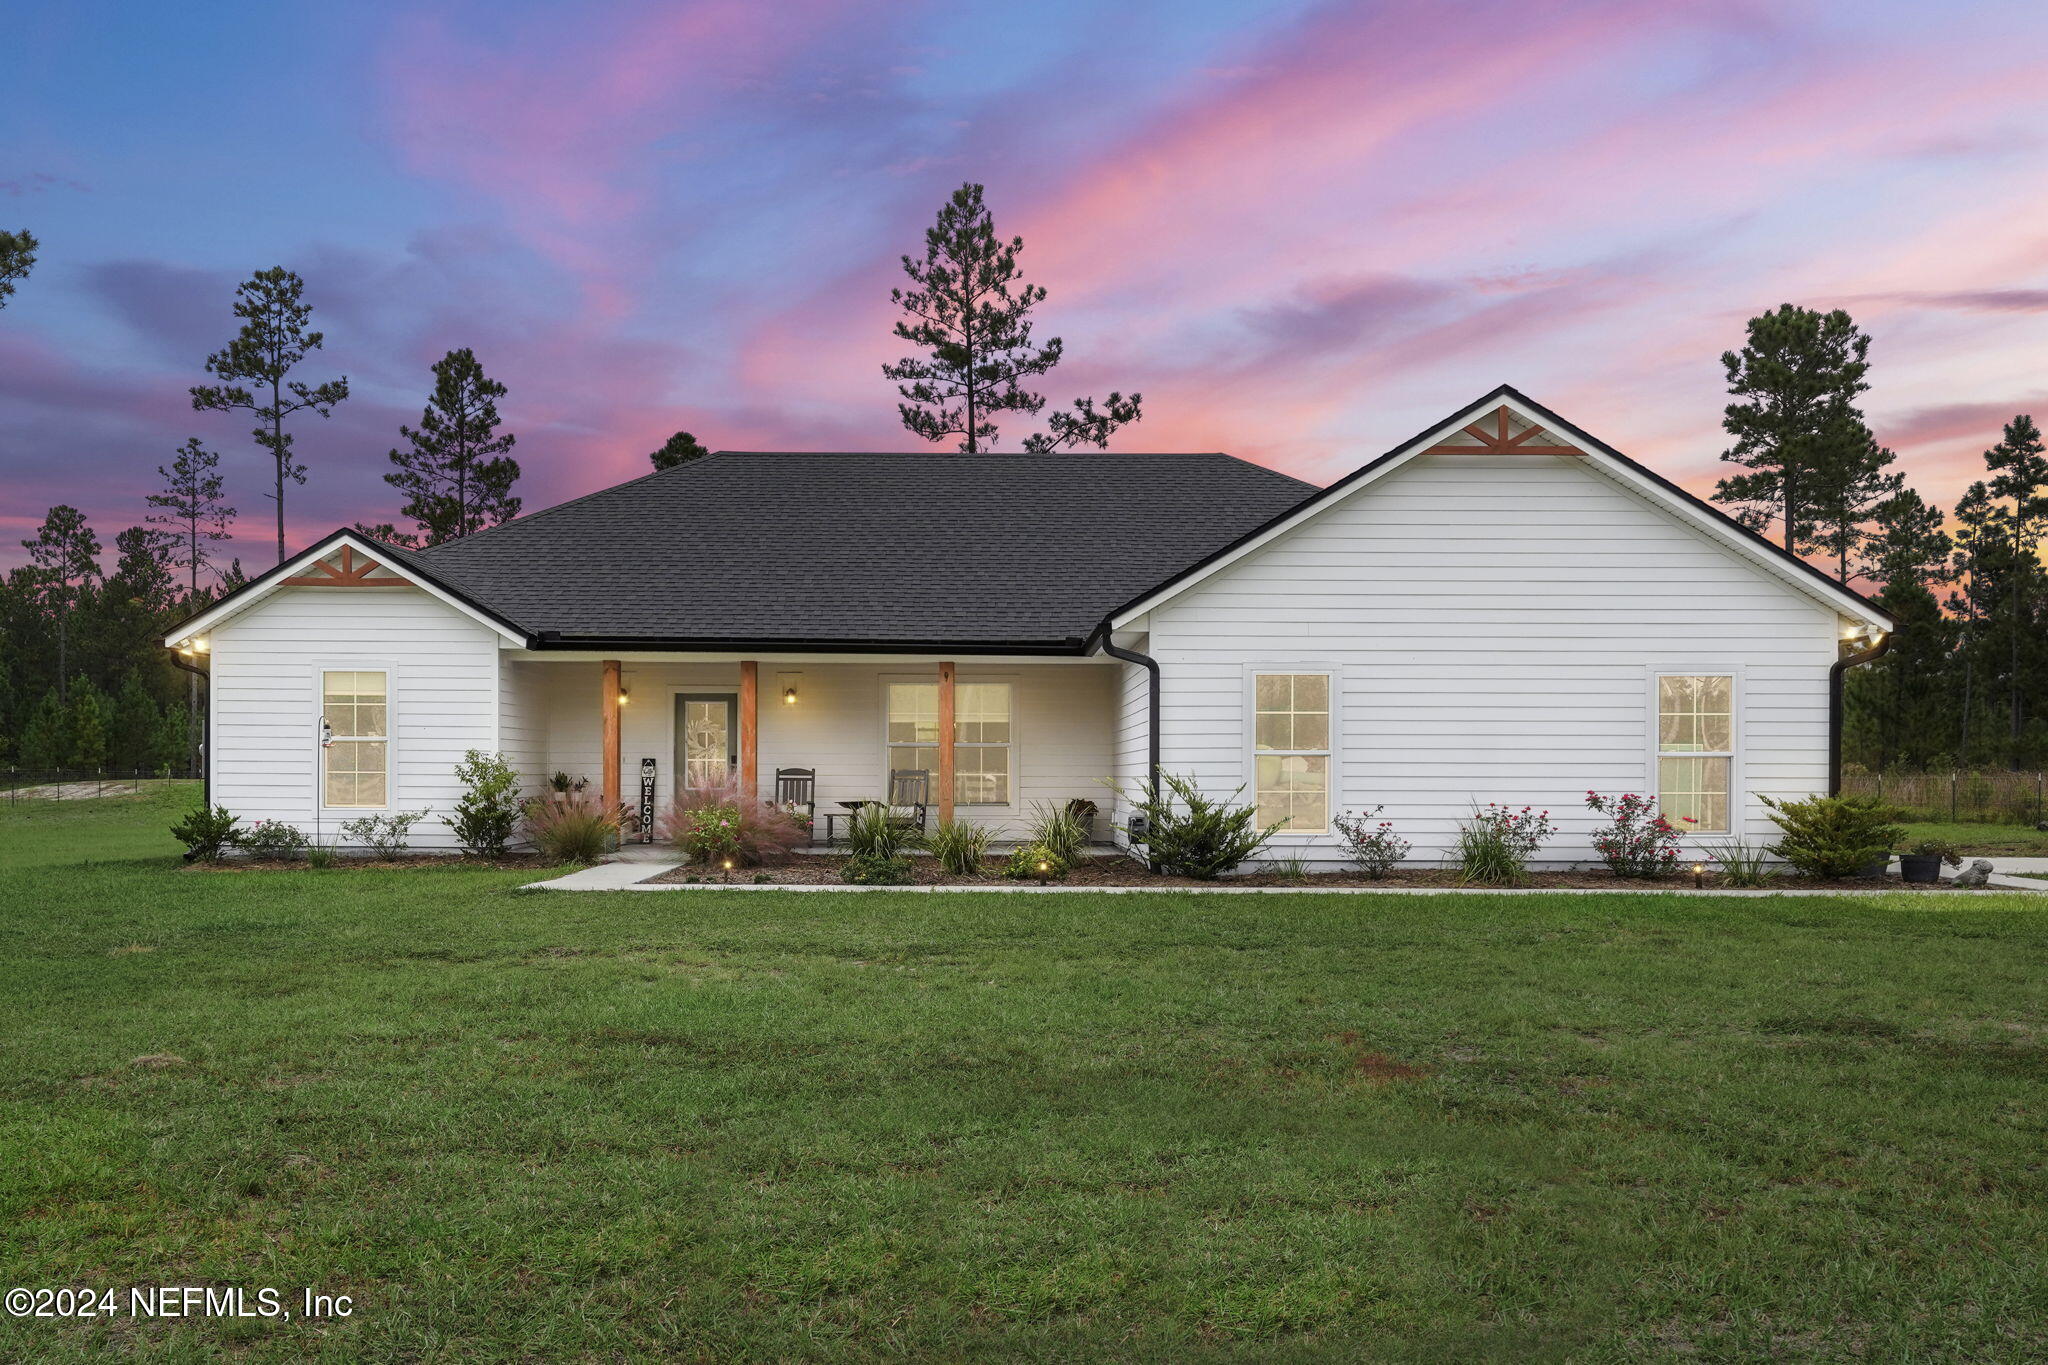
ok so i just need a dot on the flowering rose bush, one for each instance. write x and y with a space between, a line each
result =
1640 842
1373 846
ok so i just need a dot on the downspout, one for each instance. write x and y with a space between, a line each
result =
1835 672
1151 667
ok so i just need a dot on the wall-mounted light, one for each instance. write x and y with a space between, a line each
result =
786 684
624 696
200 645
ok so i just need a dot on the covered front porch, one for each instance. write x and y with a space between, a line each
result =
998 736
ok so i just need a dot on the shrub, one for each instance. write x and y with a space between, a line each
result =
1373 846
319 857
1640 842
1744 864
875 833
756 833
387 836
1833 836
489 809
274 839
1494 847
1061 830
207 834
868 870
959 847
1190 835
1036 863
579 828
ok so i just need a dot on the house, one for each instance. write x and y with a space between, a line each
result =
1500 609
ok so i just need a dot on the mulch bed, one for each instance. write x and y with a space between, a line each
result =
353 862
823 870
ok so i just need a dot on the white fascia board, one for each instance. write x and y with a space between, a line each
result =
241 602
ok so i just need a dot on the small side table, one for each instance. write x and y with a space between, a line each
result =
847 810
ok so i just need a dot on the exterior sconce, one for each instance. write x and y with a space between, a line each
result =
624 696
785 683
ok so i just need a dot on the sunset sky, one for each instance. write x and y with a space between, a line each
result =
1304 231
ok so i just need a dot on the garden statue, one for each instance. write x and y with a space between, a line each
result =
1978 873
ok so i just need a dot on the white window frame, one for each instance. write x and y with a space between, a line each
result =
389 668
1653 781
1015 746
1333 796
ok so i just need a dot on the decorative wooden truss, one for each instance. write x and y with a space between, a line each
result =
346 571
1502 432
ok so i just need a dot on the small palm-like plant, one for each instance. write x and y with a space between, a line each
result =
1061 830
959 846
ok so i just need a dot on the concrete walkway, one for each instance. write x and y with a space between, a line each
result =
632 877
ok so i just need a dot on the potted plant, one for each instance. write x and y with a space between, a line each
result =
1922 862
561 786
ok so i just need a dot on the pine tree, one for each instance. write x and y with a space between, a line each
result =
457 477
272 341
970 312
1796 380
137 719
65 557
173 742
87 717
1905 694
193 502
390 535
193 505
2020 478
680 448
44 743
1852 480
17 258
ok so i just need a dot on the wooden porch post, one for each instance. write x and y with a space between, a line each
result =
750 727
946 728
609 699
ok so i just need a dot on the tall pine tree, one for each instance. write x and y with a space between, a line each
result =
64 558
457 475
970 312
1795 383
17 258
1903 697
194 504
256 367
2019 479
1852 479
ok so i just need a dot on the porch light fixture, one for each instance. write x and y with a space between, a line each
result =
785 683
789 696
624 696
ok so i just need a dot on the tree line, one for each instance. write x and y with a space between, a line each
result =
1965 681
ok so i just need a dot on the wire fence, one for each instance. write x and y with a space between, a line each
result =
1997 797
72 784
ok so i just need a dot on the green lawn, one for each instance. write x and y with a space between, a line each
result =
1982 840
771 1125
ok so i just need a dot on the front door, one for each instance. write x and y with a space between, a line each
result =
707 739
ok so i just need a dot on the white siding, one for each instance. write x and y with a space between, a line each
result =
522 720
1133 751
1494 622
266 663
1061 715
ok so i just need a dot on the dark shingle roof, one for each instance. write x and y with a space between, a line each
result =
922 548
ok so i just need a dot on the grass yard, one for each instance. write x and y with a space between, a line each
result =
763 1126
1981 840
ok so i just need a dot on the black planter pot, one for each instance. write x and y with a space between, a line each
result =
1916 867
